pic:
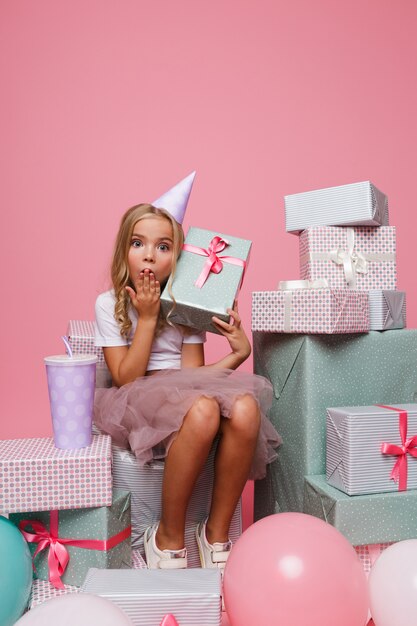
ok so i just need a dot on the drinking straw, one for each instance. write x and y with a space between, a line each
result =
67 346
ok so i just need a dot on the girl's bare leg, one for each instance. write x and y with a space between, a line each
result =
183 464
239 435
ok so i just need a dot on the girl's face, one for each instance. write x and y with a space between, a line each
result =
151 247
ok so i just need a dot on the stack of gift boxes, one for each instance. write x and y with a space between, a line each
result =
334 345
90 507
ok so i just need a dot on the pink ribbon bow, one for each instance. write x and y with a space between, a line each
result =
214 262
169 620
409 446
58 557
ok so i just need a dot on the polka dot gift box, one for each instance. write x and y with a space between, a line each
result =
310 373
361 258
330 311
37 476
207 279
94 537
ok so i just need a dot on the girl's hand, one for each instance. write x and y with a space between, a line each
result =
234 334
146 298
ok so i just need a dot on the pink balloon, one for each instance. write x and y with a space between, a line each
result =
393 585
296 570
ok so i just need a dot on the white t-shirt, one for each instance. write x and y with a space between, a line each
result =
166 347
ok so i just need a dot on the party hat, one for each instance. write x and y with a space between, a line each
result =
175 200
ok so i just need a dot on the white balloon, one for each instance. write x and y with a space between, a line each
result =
393 585
81 609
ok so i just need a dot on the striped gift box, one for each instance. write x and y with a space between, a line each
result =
310 311
355 461
37 476
81 336
387 309
146 596
357 203
145 485
350 258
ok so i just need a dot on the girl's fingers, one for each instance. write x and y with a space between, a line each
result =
131 293
235 316
220 323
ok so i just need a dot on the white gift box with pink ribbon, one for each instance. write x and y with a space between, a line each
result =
308 307
207 278
372 449
350 258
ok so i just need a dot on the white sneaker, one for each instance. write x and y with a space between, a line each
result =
211 554
162 559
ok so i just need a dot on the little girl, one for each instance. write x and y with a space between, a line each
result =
166 403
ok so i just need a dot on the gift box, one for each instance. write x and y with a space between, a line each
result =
95 537
310 311
37 476
207 278
369 449
146 596
145 485
357 203
387 309
365 519
81 337
43 590
312 372
355 258
368 554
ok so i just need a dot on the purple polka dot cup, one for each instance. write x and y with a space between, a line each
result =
71 385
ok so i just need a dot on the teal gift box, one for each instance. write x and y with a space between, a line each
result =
207 278
310 373
105 533
365 519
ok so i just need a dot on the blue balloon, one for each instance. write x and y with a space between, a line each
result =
16 573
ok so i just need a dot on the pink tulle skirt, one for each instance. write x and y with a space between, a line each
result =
145 415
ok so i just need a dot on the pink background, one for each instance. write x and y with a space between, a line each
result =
108 103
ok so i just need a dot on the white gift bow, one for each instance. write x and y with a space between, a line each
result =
290 285
319 283
353 262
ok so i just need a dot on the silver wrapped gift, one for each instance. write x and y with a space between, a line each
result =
372 449
145 485
360 204
146 596
387 309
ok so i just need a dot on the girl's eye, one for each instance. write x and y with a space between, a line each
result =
164 247
136 243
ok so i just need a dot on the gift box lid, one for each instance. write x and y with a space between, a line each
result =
42 448
144 582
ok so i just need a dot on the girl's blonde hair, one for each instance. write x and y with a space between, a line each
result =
120 268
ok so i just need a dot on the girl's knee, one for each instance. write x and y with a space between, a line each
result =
245 417
204 417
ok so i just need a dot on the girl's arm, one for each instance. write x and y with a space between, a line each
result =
128 362
193 354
